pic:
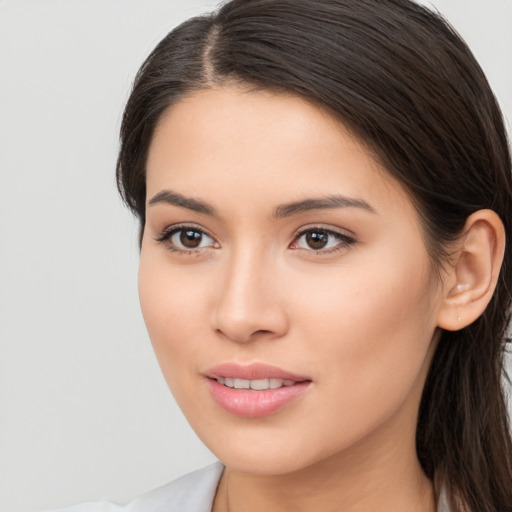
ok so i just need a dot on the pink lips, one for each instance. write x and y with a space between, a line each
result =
248 402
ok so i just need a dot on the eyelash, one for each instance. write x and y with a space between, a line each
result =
344 241
170 231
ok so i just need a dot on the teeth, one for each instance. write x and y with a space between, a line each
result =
275 383
241 383
257 385
260 384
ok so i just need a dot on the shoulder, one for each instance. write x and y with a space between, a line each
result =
193 492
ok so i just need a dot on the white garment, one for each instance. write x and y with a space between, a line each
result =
193 492
190 493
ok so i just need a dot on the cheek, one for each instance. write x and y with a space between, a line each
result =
171 305
368 331
362 330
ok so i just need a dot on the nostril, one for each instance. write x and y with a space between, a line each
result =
261 331
244 337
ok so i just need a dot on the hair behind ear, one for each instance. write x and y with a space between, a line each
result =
464 391
464 386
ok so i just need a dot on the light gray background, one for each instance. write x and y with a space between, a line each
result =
84 411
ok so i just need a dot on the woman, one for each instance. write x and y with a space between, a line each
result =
324 192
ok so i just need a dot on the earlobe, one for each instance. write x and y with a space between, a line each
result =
474 272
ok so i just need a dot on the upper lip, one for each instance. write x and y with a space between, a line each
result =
252 371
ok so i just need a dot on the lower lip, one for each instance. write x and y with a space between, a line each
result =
253 404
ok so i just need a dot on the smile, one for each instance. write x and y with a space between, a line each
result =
254 390
256 385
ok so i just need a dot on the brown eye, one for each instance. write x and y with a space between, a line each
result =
317 239
323 241
186 239
190 238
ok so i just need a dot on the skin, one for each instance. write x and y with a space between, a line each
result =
359 319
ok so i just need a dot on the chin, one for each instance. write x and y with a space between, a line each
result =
267 464
262 451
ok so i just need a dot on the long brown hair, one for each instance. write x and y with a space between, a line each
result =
406 84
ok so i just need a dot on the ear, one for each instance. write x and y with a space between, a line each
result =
471 279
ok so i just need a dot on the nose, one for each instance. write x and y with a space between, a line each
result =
248 304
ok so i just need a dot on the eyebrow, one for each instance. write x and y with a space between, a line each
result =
281 211
323 203
169 197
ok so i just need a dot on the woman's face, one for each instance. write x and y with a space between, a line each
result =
278 255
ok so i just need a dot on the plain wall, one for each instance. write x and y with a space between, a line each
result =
85 413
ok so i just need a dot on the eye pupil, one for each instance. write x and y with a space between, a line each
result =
317 239
190 238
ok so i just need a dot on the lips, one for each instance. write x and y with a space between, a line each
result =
254 390
253 371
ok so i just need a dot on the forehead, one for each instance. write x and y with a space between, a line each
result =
234 111
231 142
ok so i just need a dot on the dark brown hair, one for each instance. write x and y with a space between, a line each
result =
400 78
